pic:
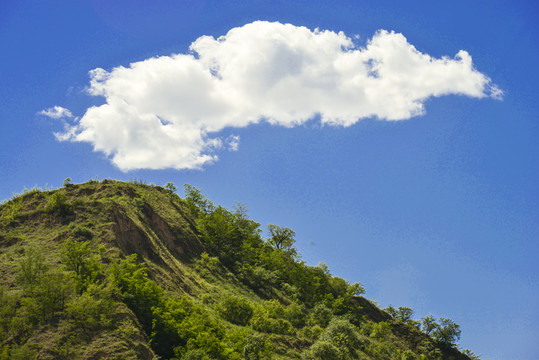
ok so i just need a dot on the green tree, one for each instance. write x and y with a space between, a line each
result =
252 243
325 268
51 294
31 268
222 237
471 354
281 238
428 324
171 187
356 289
403 313
338 285
138 292
42 299
77 256
196 202
448 332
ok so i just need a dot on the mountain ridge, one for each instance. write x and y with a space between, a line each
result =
241 296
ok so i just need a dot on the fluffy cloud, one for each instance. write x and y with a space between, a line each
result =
56 112
167 112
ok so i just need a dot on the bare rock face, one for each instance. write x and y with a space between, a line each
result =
153 236
131 239
181 242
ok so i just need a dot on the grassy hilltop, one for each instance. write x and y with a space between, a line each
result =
132 271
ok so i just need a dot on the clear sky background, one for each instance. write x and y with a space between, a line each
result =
437 211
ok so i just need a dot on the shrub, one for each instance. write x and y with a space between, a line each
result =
407 355
386 350
26 317
196 354
344 336
429 351
58 205
321 350
31 268
52 294
206 342
311 332
10 210
290 290
209 262
340 306
380 330
93 309
77 256
274 309
8 307
81 232
183 328
23 352
138 203
256 348
271 325
295 313
320 315
41 301
260 277
68 182
236 309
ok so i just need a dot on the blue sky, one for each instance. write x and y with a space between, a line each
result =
430 201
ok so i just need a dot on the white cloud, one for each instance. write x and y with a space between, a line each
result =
166 112
233 142
56 112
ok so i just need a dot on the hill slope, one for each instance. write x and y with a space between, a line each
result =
126 270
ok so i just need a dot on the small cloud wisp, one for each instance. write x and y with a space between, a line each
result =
56 112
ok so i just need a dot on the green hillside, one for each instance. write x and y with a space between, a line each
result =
131 271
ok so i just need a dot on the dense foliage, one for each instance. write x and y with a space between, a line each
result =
79 292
